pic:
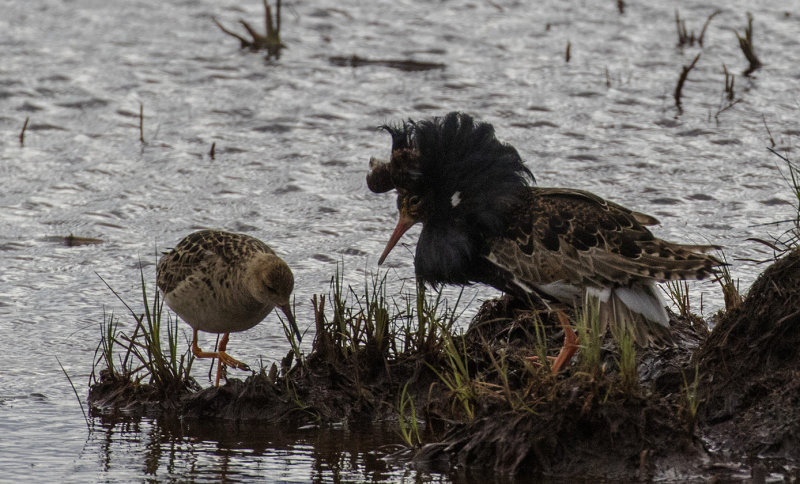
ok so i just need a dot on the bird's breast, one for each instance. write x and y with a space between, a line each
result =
207 306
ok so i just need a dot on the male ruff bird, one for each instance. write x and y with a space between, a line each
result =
483 221
221 282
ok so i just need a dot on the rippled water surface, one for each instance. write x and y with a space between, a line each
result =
292 138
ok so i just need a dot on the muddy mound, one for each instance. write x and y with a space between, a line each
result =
322 389
113 393
256 398
672 412
581 423
751 367
575 435
485 403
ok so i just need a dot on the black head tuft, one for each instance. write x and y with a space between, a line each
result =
470 182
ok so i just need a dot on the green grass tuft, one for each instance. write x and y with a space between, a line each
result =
692 401
409 425
158 362
591 336
456 376
626 359
678 294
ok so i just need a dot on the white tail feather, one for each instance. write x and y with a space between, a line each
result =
622 307
645 301
601 294
638 311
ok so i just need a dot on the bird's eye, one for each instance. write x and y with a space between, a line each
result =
413 201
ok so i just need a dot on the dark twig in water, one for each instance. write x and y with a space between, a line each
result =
213 151
705 26
271 42
401 64
22 133
746 44
729 80
244 42
729 94
621 6
683 36
74 241
722 110
567 56
688 38
679 87
141 122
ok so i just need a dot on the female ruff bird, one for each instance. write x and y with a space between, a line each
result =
221 282
483 221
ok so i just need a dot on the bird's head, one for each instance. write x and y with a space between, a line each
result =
455 177
271 282
411 208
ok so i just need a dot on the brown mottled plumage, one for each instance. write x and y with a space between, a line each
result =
567 242
221 282
483 221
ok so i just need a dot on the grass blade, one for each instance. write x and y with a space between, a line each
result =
75 391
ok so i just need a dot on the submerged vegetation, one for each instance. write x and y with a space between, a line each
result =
681 80
686 37
746 45
270 42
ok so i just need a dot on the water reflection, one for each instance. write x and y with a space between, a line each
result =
173 448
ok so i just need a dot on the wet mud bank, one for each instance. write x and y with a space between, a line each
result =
750 368
723 404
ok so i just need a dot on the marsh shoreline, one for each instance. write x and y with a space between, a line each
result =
722 403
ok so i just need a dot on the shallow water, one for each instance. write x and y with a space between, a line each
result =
292 139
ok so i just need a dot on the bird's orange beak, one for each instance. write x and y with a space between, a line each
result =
403 224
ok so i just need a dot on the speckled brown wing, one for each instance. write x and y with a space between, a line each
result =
581 239
203 248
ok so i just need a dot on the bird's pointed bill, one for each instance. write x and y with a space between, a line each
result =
403 224
287 310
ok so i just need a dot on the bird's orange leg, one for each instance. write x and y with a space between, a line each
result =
223 357
227 359
567 350
197 352
570 344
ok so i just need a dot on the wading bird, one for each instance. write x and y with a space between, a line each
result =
484 221
221 282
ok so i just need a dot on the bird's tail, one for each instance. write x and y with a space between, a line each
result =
639 311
